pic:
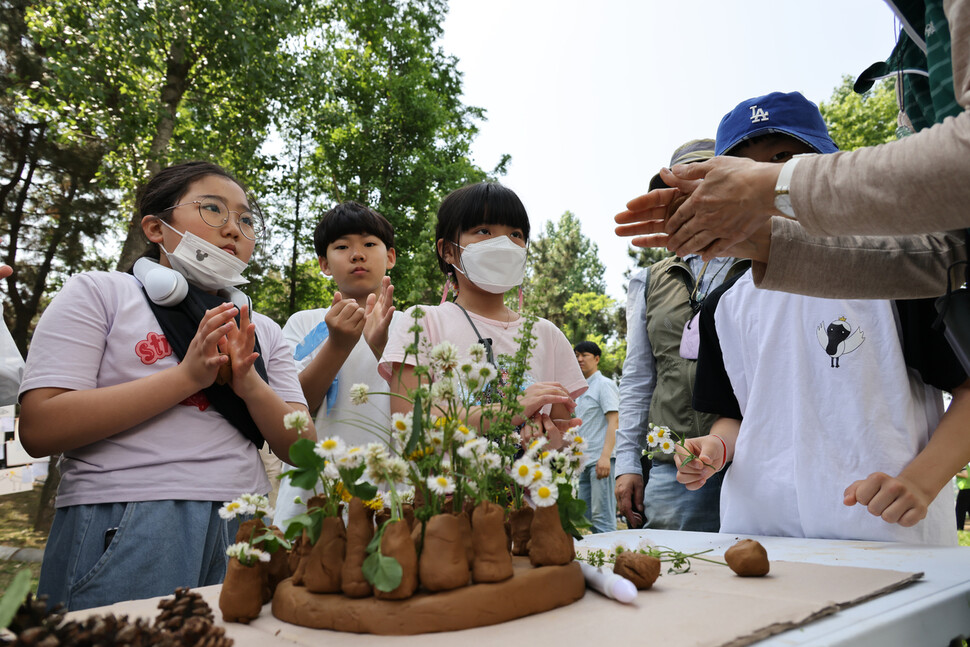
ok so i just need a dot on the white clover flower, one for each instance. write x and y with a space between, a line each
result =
444 357
477 352
492 461
544 495
259 504
444 390
359 393
296 420
330 448
396 470
406 495
246 554
441 485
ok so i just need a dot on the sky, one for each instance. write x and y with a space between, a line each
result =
591 98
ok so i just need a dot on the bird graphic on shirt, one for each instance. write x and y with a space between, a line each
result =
837 340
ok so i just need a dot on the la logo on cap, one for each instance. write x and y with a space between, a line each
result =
757 114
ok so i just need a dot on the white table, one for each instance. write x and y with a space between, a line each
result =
929 612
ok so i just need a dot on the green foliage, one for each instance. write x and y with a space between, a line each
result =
856 120
13 597
572 511
383 572
563 268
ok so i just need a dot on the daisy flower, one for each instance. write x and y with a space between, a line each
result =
246 554
652 439
522 471
402 422
231 509
441 485
330 448
544 495
667 446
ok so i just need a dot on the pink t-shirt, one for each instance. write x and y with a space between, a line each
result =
552 360
99 331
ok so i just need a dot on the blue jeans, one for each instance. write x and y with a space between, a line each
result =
668 505
599 497
156 547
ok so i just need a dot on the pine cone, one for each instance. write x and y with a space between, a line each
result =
199 632
185 605
33 613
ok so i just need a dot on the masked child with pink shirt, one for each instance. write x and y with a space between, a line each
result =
157 392
481 238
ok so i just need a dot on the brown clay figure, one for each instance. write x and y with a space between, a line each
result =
397 543
550 545
520 521
360 530
326 559
241 599
465 521
642 570
493 561
747 558
443 565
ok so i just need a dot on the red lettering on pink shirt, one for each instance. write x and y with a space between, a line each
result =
153 348
197 399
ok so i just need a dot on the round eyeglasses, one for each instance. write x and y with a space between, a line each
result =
215 213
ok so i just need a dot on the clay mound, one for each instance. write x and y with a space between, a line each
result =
529 591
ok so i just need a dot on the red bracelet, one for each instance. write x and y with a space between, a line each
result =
724 459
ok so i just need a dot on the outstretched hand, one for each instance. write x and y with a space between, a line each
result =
239 344
730 199
345 321
378 313
894 499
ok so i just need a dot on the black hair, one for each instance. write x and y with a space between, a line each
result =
349 218
738 149
485 203
166 189
588 347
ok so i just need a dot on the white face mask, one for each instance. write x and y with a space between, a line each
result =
203 264
495 265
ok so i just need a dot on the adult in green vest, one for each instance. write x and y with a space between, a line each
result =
658 380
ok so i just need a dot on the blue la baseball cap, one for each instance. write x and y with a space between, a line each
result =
789 114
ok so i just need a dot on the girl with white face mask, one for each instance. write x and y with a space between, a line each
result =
482 238
151 444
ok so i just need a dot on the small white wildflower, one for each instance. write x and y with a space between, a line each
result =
359 393
465 433
402 422
441 485
259 504
544 495
246 554
486 372
231 509
296 420
330 448
444 390
406 495
652 440
522 471
667 446
396 470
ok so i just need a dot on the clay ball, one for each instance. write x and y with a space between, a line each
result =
747 558
640 569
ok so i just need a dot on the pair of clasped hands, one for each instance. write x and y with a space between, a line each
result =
727 211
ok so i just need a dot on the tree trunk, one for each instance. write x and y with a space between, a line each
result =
179 64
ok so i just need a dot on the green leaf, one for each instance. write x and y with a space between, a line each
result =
305 477
571 511
14 596
302 454
311 521
417 427
383 572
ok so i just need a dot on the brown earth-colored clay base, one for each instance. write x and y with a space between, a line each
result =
748 558
529 591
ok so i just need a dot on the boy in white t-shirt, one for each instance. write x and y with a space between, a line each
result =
830 408
337 347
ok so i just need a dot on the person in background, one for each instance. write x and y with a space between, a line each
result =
597 408
658 380
11 363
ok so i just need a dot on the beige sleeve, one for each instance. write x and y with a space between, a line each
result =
853 267
917 184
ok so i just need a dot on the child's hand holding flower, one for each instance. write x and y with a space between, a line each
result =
698 460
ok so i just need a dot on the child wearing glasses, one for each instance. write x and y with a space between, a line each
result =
157 409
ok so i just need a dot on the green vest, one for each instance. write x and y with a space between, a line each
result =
668 309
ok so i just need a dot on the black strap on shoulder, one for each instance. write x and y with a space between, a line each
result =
180 323
484 341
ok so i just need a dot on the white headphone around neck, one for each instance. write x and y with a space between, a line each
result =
166 287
